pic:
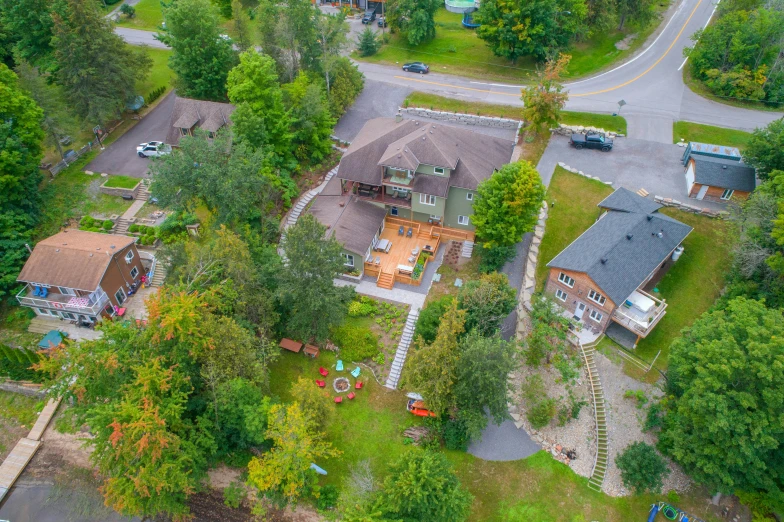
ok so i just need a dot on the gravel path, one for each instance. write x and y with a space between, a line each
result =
625 421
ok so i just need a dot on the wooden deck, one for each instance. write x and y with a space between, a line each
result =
423 234
15 463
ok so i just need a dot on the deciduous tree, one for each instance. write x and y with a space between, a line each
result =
29 26
414 18
200 57
723 424
96 68
765 150
422 486
487 301
545 99
284 471
642 468
306 289
347 82
332 33
312 122
548 332
314 401
507 204
242 26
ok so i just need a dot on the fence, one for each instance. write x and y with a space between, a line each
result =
55 169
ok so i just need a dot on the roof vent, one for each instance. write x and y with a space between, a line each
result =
98 248
91 254
650 217
604 260
112 247
629 236
724 166
65 244
660 234
56 249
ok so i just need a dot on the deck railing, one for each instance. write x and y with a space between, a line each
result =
62 302
633 323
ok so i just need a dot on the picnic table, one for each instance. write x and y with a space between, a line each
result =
290 345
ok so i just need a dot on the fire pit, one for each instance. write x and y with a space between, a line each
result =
341 384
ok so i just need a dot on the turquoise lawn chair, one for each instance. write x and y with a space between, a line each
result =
355 372
339 366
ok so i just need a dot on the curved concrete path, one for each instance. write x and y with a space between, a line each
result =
503 443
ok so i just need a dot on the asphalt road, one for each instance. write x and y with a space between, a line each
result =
120 157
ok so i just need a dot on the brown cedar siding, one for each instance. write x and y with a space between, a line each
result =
582 285
118 273
714 193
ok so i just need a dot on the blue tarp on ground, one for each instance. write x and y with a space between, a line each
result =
50 340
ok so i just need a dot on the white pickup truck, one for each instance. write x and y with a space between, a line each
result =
153 149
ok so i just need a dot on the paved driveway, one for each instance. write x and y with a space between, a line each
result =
377 100
121 158
632 164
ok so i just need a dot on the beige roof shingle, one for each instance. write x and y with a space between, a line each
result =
207 115
73 259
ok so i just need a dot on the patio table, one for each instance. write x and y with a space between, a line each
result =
383 245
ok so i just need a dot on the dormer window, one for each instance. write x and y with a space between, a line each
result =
184 131
438 170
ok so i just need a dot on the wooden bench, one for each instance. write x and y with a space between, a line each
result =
292 346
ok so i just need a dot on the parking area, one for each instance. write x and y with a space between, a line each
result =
121 158
377 100
632 164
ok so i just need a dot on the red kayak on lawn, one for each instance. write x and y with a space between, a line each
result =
418 408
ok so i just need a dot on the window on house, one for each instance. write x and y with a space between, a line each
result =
349 259
438 170
129 256
66 291
43 311
393 211
727 194
470 196
596 297
565 279
120 296
560 294
435 218
462 220
427 199
134 272
211 135
184 131
596 316
68 315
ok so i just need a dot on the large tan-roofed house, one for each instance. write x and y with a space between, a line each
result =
79 276
189 115
401 188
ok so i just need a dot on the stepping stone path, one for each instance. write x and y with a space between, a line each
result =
307 198
402 349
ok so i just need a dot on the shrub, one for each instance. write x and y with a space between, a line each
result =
541 413
637 395
494 258
368 43
86 222
155 94
362 307
107 224
233 493
133 228
653 417
355 342
642 468
127 10
430 317
328 497
455 435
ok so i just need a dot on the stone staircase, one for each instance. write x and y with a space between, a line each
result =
121 226
386 280
600 416
143 193
468 249
307 198
402 349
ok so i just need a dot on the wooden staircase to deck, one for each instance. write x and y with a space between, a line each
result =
386 280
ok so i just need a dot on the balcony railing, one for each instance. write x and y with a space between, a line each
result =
639 322
380 197
66 303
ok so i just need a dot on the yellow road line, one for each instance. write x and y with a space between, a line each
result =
646 71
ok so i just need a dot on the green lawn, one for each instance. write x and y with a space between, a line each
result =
19 408
575 210
149 16
538 488
607 122
692 284
688 131
121 182
457 50
160 74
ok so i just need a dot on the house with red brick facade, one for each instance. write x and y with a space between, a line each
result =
79 276
600 278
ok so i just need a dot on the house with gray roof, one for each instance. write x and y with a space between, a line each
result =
189 115
601 276
718 179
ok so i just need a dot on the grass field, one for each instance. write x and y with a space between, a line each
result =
121 182
160 74
693 283
688 131
537 488
435 102
20 408
149 16
457 50
570 216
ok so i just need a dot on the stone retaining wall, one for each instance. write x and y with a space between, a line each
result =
465 119
568 130
581 173
116 191
669 202
29 390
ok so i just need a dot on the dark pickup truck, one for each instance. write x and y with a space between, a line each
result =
592 140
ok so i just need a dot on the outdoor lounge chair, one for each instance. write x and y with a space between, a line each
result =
359 385
401 230
378 260
411 259
320 384
415 251
338 400
351 395
339 366
410 232
355 372
44 291
323 371
37 290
